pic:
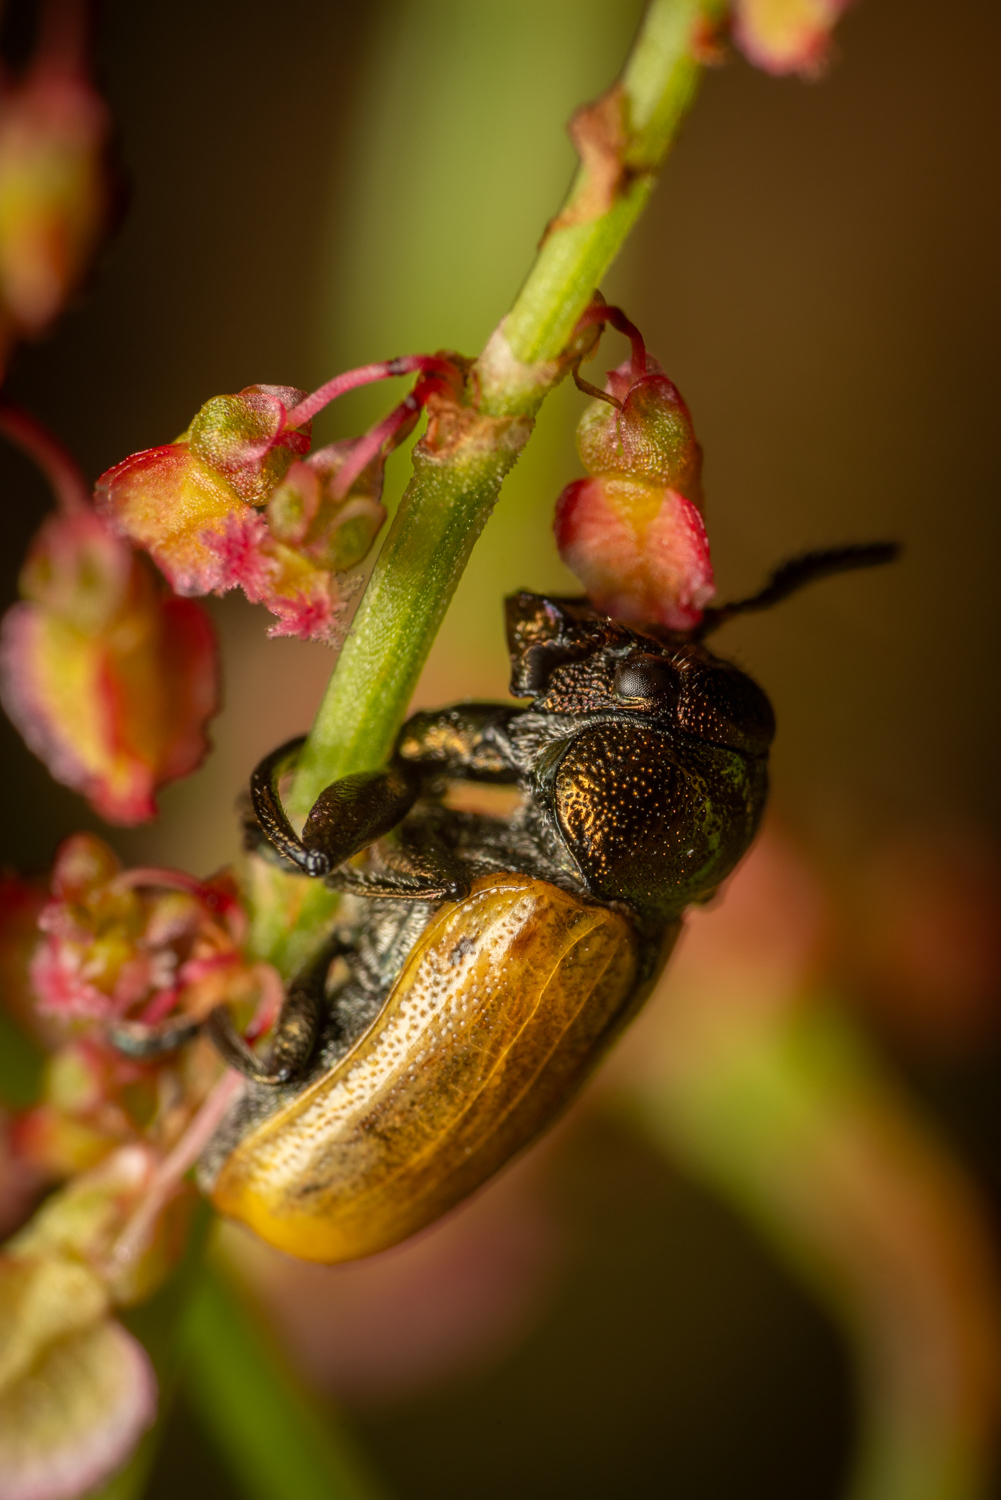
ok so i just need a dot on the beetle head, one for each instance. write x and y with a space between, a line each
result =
571 659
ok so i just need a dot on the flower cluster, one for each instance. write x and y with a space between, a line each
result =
128 962
633 531
238 501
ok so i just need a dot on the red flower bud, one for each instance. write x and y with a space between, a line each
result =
110 681
632 532
640 550
190 503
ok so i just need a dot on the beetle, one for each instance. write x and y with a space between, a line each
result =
486 963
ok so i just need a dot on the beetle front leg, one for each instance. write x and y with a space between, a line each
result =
468 741
346 817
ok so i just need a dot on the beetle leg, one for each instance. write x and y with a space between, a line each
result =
422 868
296 1033
352 813
135 1039
468 741
345 818
427 858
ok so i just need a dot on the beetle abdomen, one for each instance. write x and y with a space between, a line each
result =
503 1005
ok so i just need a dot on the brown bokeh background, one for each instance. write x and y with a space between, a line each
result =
312 185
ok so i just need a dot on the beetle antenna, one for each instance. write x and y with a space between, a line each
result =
798 572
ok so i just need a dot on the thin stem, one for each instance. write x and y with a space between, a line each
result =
275 1441
794 1122
396 426
135 1236
48 454
351 380
456 482
658 83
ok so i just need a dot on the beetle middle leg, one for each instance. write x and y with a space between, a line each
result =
296 1032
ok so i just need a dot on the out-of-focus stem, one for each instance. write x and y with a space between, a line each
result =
46 451
795 1123
454 486
273 1439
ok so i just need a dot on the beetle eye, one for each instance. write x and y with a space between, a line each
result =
644 676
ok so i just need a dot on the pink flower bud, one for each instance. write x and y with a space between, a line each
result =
632 532
178 509
786 36
110 681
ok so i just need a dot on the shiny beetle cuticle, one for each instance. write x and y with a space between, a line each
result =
487 963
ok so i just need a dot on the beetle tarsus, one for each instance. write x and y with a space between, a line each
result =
270 813
136 1039
352 813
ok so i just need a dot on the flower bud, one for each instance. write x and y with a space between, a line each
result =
786 36
179 509
243 438
336 533
110 681
633 533
651 437
53 192
640 550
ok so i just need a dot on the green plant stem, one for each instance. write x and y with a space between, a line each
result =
659 81
454 488
793 1120
270 1434
158 1324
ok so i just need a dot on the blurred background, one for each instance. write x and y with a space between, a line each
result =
636 1308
